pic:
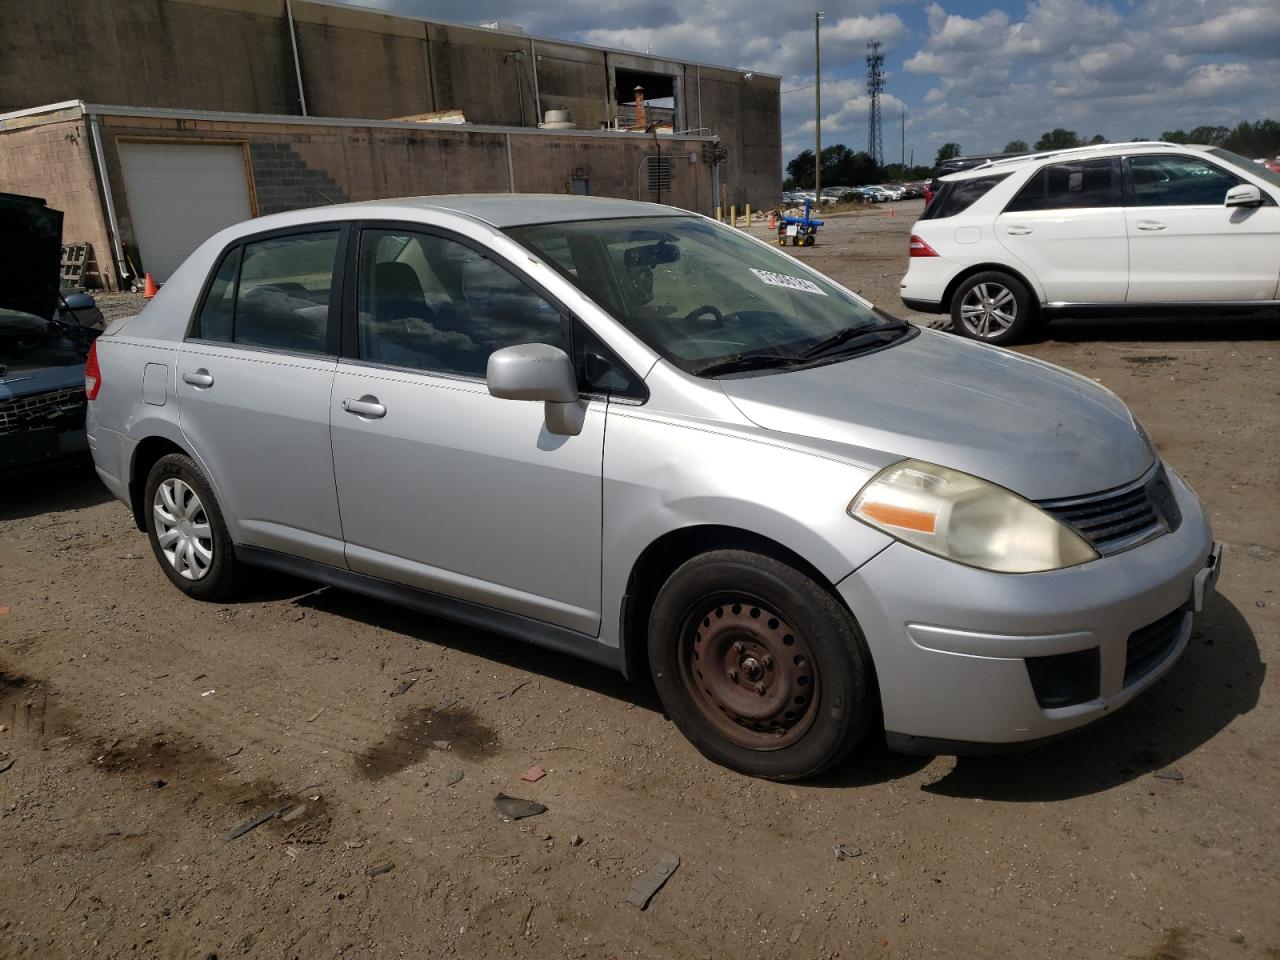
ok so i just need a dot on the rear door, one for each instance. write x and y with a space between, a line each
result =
1067 224
1186 245
254 378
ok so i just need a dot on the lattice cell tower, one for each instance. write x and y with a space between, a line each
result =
875 84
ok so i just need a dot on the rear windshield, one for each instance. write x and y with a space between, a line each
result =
959 195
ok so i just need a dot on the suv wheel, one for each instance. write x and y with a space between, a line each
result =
759 666
186 530
992 307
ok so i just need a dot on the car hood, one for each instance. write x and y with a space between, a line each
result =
1031 427
31 236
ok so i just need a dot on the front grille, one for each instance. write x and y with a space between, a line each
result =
1122 517
1149 646
58 408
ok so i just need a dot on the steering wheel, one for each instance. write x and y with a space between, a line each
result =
703 310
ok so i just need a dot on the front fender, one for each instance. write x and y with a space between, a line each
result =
662 475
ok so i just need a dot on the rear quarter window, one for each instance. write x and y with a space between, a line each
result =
957 196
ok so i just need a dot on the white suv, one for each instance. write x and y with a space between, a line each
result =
1122 226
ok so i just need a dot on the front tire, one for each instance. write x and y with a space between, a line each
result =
992 307
759 666
188 535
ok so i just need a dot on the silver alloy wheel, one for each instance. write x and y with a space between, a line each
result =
182 529
988 310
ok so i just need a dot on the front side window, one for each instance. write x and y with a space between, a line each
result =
1064 186
272 293
1170 180
955 197
701 294
431 303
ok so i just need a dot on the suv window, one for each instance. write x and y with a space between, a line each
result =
1169 180
1077 183
955 197
431 303
272 293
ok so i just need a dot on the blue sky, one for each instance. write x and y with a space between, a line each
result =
977 72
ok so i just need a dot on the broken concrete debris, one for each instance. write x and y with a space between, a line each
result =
645 887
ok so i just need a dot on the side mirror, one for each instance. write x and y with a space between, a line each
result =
1244 195
539 371
80 301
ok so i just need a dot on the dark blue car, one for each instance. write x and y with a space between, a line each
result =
44 340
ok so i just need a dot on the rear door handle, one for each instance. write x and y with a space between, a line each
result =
201 378
1150 225
367 407
1017 231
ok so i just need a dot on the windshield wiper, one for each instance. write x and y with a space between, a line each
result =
745 361
850 334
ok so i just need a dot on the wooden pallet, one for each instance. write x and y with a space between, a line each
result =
77 263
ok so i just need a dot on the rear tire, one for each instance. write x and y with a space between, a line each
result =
992 307
759 666
188 535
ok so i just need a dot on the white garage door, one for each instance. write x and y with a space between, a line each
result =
181 194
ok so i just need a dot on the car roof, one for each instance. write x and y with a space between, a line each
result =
499 210
1014 164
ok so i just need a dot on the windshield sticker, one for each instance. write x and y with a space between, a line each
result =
791 283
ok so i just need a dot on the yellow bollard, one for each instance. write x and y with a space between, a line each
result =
720 214
748 216
733 215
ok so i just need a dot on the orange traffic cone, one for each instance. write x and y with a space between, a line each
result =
150 289
773 220
891 213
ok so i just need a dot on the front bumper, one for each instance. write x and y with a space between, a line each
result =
950 643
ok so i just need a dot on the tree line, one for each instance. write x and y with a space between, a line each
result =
850 168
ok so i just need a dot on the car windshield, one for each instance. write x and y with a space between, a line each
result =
703 295
28 342
1244 163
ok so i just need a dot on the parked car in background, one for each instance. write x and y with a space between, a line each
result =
1104 230
957 164
636 435
44 340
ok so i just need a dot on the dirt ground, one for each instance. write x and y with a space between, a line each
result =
140 729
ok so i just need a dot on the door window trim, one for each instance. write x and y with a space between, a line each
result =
332 327
1131 191
349 340
1118 180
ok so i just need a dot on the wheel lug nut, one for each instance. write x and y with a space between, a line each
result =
767 662
733 675
760 689
739 648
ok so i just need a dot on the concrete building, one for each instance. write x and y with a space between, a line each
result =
246 107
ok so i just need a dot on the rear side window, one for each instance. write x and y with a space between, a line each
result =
957 196
273 293
1061 186
1176 181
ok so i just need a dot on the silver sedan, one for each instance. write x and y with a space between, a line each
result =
633 434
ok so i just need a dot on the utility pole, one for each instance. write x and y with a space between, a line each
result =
817 111
904 141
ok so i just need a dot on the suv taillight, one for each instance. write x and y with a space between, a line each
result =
92 376
921 249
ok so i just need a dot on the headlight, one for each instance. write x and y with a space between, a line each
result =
970 521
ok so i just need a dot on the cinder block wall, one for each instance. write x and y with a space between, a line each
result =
54 161
308 165
235 55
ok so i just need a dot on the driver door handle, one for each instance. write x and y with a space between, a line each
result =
1150 225
367 407
201 378
1017 231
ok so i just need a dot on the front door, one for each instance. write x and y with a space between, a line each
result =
1186 245
1067 224
254 378
441 485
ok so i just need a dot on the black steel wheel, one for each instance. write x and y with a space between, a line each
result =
762 668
